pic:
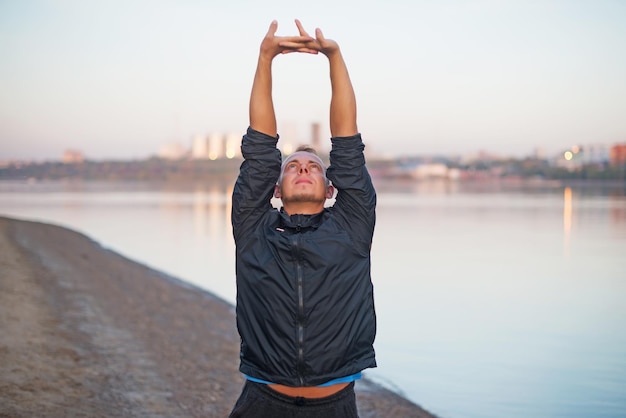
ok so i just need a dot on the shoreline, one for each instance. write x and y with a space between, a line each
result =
88 332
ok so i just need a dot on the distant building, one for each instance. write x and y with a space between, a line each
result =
617 155
578 156
215 146
570 159
289 137
434 171
71 156
200 147
454 173
595 154
540 153
233 145
172 151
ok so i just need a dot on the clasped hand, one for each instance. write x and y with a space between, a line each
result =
273 45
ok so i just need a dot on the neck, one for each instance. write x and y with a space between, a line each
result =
302 208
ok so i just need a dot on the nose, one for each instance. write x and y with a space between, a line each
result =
304 169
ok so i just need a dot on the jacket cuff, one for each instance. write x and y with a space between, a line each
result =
347 151
257 145
255 136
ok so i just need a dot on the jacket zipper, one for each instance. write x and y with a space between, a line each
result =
300 320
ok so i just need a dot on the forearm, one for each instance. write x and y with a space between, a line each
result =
262 116
343 100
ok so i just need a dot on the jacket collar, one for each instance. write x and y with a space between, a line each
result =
299 221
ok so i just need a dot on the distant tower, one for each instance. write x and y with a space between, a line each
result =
316 141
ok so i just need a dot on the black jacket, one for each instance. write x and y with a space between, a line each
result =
305 306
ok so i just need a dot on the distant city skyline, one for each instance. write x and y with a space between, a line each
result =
121 80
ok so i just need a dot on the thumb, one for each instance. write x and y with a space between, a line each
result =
319 35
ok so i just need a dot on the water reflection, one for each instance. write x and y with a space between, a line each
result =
211 212
617 209
199 213
567 219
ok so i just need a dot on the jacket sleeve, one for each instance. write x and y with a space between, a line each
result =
356 198
254 187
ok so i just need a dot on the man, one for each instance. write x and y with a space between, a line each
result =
305 308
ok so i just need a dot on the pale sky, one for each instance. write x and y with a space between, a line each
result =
119 79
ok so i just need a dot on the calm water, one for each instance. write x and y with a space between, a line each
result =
490 303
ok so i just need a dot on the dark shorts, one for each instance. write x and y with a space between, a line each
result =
260 401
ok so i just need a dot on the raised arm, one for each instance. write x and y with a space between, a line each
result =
262 116
261 166
343 100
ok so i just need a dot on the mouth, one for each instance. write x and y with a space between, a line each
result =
306 181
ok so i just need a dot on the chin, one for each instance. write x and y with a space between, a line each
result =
304 198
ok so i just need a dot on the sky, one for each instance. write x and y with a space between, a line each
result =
120 79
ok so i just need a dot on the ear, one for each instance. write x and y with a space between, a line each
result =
330 191
277 194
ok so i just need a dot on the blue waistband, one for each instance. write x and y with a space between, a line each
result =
346 379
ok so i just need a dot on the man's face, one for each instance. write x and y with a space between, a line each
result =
303 180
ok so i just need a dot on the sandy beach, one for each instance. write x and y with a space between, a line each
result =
87 332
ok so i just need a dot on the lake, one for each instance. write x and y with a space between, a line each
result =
492 300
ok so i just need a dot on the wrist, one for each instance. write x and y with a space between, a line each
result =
333 55
266 57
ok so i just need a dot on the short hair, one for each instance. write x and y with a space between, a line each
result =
302 148
307 148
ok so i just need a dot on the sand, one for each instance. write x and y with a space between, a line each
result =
86 332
